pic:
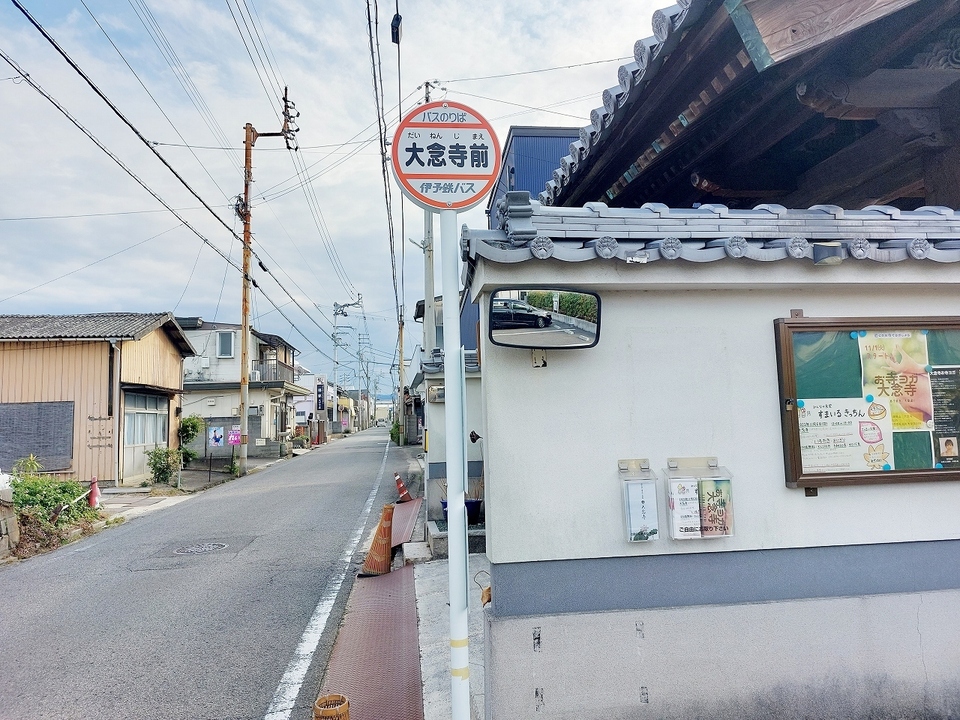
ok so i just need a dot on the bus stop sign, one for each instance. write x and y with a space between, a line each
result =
445 156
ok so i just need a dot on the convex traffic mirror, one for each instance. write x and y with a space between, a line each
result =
553 318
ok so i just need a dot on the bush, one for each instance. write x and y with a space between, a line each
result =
41 498
395 432
190 427
578 305
164 463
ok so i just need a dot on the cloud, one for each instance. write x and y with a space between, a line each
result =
322 53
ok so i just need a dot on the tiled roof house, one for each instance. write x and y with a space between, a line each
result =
90 394
766 207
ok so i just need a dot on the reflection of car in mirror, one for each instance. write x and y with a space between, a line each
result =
517 313
544 317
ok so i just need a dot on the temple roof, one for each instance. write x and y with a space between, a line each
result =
529 230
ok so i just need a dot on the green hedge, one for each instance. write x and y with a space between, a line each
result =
578 305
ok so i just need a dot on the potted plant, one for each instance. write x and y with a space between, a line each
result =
474 501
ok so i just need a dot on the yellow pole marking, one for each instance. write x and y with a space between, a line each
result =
462 673
459 643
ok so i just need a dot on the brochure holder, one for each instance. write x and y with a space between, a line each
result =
640 507
700 501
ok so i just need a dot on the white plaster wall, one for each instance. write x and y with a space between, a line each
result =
435 418
890 656
220 369
685 367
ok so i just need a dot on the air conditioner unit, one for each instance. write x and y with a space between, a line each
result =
254 376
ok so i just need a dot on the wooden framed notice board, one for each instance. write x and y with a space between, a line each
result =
869 400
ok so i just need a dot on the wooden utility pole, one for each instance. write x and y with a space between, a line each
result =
243 211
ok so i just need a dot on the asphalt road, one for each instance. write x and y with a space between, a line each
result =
557 334
121 625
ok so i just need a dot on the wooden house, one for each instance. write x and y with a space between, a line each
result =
90 394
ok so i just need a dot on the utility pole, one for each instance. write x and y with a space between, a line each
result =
243 210
340 311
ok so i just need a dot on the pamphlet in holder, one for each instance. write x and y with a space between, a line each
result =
640 507
700 501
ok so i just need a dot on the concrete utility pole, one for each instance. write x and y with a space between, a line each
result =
340 311
243 210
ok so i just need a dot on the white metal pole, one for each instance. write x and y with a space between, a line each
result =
429 309
456 482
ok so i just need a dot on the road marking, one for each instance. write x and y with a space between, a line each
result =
289 688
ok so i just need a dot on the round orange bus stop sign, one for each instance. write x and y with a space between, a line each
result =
445 156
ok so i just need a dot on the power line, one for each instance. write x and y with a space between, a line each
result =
89 215
49 38
88 265
382 132
520 105
256 67
150 95
541 70
159 38
10 61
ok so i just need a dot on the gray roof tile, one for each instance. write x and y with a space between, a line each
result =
96 326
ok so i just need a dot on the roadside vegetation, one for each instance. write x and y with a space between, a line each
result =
48 508
578 305
164 462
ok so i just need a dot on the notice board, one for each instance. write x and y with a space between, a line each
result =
869 400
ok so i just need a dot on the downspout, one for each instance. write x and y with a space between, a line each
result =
115 404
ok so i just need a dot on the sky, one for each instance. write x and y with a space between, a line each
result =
80 235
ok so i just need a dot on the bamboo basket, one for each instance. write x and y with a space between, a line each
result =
335 707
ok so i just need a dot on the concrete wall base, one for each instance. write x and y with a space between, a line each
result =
851 658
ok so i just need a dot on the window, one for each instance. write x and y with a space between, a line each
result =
225 344
146 419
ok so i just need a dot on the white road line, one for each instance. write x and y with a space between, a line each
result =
289 688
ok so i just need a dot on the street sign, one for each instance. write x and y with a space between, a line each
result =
445 156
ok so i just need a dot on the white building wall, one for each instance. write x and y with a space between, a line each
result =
838 606
680 374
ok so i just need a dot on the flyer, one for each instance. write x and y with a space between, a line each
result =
845 435
716 508
896 371
945 386
684 509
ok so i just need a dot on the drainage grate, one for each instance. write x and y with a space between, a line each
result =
200 548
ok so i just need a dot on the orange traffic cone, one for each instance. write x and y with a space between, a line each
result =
378 557
94 493
402 489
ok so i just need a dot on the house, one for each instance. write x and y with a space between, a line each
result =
529 158
764 211
211 388
529 155
90 395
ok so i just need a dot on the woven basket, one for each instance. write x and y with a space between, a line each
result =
336 707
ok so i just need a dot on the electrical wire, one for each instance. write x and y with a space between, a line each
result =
382 132
88 215
159 38
91 264
36 86
116 159
247 48
541 70
520 105
150 95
